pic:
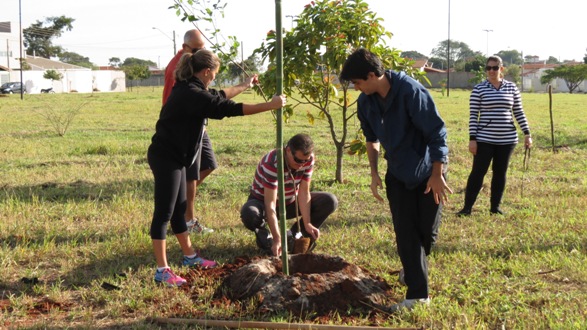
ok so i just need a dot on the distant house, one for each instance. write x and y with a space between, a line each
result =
534 70
75 78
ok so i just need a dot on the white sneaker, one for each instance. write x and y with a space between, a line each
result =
195 226
409 304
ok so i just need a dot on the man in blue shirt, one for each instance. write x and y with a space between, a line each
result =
397 112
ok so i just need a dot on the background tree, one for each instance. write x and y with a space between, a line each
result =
414 55
52 75
552 60
76 59
476 64
115 62
514 71
438 63
206 12
459 52
585 58
479 76
510 57
136 72
24 65
38 37
573 75
252 65
313 54
132 61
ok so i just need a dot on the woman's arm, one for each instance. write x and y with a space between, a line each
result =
276 102
233 91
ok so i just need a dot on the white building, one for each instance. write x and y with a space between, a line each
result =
9 47
75 78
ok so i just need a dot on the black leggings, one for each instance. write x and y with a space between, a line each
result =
500 154
170 199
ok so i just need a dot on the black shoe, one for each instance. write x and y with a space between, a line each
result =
464 213
496 211
264 239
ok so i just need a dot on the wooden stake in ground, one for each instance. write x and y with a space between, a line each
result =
551 120
263 325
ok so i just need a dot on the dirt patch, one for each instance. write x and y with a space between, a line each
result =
317 284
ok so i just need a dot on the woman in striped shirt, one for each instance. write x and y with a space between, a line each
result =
494 104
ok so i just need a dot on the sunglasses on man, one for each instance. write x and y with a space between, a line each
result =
300 161
494 68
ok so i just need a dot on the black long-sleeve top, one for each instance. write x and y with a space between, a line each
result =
178 132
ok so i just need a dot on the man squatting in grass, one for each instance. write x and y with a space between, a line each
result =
398 112
175 146
261 208
206 162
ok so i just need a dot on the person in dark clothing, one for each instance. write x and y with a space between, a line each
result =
493 105
174 147
398 112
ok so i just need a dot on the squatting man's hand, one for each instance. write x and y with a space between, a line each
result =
276 247
313 231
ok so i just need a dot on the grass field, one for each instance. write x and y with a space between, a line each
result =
75 212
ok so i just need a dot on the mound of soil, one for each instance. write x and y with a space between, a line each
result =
318 284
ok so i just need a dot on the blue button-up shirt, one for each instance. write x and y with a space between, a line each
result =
408 126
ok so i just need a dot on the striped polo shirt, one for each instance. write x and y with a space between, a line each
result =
266 177
492 111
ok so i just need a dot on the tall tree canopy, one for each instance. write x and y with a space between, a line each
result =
38 38
510 57
115 62
413 55
76 59
314 52
131 61
459 53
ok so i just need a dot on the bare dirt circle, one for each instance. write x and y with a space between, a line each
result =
318 284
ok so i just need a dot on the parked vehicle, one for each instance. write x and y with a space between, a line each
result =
48 90
11 88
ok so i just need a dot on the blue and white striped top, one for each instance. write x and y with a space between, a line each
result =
492 111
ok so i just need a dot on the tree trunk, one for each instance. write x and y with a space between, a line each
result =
339 154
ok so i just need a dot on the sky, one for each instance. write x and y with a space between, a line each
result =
144 28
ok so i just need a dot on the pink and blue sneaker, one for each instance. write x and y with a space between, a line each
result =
168 278
199 262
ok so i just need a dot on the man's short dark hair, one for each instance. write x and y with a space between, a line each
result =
301 142
359 64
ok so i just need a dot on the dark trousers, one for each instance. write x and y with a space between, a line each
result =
416 220
323 204
170 199
500 154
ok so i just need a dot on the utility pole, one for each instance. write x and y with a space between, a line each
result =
21 55
487 52
448 55
172 39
